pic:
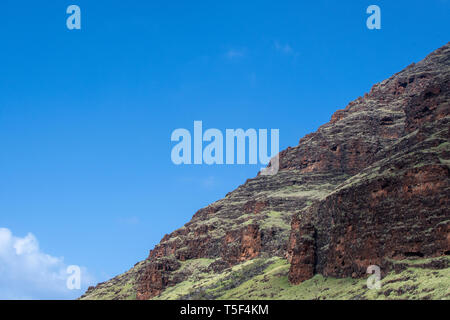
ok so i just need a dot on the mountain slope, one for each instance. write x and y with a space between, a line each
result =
369 187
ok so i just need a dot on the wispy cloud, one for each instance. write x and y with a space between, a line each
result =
28 273
252 79
129 220
284 48
235 53
209 182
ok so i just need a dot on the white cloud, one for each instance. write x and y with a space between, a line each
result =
28 273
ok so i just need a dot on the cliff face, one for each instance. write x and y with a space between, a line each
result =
397 205
369 187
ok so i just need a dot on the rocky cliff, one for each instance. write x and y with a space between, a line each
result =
371 187
397 205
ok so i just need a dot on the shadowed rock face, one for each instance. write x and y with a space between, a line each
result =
369 186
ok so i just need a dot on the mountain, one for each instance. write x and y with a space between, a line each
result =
370 187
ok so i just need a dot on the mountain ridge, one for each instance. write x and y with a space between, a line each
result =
362 176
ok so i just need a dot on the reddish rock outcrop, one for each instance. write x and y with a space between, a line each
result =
155 278
241 245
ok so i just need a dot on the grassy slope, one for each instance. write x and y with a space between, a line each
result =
267 279
122 287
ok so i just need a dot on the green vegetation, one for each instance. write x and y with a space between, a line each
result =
261 279
206 284
122 287
276 219
316 193
268 279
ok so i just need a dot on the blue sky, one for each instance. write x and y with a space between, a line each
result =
86 115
